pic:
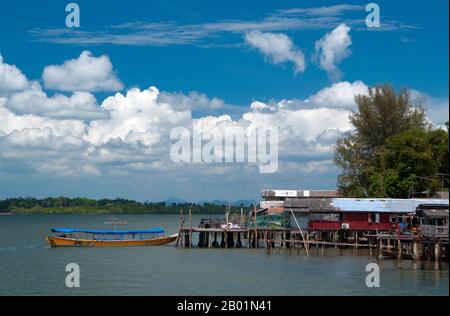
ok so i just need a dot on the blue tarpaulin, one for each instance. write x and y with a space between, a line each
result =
108 232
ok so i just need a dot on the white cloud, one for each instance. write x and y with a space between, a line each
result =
437 109
135 135
10 122
340 95
11 78
301 124
163 33
80 105
332 49
50 135
90 169
192 101
137 116
86 73
128 134
278 48
332 10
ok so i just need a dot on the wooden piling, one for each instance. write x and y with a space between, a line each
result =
437 256
190 230
399 253
380 249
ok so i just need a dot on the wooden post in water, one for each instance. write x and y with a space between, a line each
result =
416 254
215 243
305 242
437 256
190 229
238 241
380 249
399 253
181 227
266 242
256 228
422 255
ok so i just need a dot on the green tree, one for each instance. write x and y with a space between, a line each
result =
381 114
412 160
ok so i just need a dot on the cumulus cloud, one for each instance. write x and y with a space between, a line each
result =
332 49
11 78
48 135
135 135
80 105
301 124
10 122
340 95
86 73
192 101
137 116
277 47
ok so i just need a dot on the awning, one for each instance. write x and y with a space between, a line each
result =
158 230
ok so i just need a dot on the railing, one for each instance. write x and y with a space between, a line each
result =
434 231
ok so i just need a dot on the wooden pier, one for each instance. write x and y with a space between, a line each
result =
274 239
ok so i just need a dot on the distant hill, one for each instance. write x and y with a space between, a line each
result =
174 200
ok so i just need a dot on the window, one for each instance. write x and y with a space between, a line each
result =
374 218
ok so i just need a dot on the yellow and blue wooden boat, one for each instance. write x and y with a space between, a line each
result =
71 237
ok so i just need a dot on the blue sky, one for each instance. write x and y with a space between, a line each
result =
205 46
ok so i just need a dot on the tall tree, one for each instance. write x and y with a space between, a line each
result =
381 114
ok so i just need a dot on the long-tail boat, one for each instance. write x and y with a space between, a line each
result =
72 237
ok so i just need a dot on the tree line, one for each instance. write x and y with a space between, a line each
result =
82 205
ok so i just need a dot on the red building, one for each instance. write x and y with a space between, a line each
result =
355 221
368 214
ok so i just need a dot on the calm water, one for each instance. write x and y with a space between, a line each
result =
29 267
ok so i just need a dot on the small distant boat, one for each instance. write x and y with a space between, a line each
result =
70 237
114 221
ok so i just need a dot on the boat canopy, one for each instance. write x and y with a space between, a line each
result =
108 232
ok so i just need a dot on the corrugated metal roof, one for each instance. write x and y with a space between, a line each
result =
383 205
310 205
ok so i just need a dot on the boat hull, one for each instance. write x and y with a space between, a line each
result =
55 241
